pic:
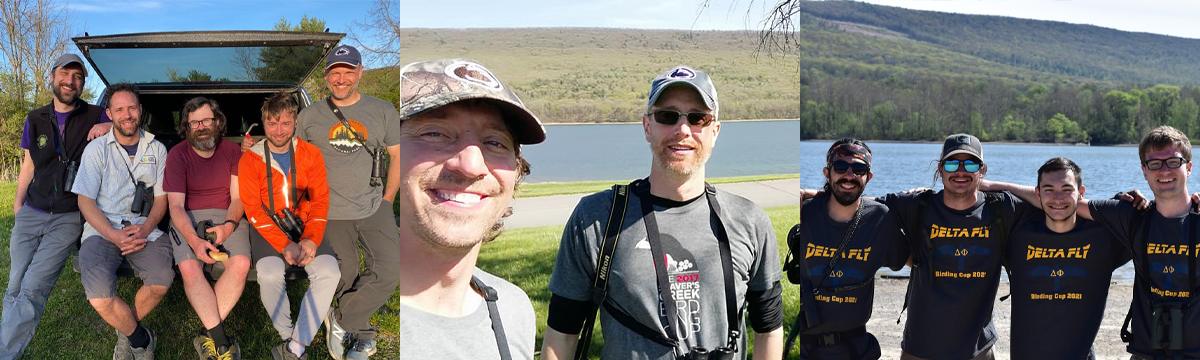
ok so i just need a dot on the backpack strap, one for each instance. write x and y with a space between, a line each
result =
608 249
916 227
1001 221
1139 220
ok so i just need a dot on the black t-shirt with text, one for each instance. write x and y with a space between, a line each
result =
1059 284
956 257
877 242
1163 260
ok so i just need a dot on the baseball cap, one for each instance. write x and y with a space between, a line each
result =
65 59
686 76
962 144
427 85
343 54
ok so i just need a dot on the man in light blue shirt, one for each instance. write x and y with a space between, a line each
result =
120 195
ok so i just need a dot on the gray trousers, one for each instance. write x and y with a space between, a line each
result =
323 276
360 294
38 249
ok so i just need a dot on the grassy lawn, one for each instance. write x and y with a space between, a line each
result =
526 257
71 329
587 187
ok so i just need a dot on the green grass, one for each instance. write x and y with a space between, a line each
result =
525 257
588 187
71 329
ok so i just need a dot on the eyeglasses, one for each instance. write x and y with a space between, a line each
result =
202 122
967 165
671 117
1171 163
840 167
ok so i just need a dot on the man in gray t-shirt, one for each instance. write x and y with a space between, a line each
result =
671 240
461 138
360 211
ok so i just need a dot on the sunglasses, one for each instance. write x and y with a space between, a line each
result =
967 165
840 167
671 117
1171 163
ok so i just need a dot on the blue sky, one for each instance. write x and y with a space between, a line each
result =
1170 17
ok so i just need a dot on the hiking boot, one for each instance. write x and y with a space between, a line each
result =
363 349
281 352
233 352
335 337
122 351
148 352
205 347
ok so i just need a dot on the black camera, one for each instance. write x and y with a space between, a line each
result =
1166 327
143 199
69 179
378 166
290 224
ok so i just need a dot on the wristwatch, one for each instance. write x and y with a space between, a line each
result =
235 224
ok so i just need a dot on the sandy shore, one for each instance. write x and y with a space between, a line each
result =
889 297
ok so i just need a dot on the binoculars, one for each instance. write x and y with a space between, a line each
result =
202 232
699 353
69 178
1166 327
143 199
378 166
290 224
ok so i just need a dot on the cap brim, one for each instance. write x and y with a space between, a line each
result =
525 127
327 66
708 100
962 151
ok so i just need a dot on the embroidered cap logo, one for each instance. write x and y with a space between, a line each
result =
475 74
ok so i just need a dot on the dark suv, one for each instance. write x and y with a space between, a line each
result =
237 69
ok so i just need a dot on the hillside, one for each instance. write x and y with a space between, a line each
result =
870 71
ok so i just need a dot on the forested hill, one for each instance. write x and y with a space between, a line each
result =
873 72
1075 50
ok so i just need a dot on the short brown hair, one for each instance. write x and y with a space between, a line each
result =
1161 138
279 103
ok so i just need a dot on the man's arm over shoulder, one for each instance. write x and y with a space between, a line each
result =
1115 215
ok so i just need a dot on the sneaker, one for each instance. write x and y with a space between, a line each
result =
148 352
205 347
335 337
123 351
363 349
281 352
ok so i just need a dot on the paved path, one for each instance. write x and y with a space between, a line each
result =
554 210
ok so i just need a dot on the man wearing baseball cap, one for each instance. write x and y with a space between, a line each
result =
711 256
47 212
461 137
957 238
354 132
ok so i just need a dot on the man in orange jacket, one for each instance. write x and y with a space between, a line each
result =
286 198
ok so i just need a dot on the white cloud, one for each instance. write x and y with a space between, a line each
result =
110 7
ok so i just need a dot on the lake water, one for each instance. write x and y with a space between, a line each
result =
619 151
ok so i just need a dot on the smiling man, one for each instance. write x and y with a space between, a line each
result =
461 138
357 134
1061 265
706 253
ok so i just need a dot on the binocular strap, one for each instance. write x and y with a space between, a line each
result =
490 296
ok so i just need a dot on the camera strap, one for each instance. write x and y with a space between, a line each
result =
57 138
816 285
490 296
342 118
271 187
664 289
608 248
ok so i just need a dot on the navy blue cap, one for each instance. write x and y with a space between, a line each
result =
344 54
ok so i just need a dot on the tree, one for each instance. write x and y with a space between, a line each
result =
380 35
33 33
286 63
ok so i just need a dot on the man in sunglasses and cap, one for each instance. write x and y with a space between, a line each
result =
460 135
957 238
705 253
841 241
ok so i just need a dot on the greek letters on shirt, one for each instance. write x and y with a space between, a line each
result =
961 252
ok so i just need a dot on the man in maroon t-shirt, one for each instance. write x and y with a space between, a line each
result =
202 184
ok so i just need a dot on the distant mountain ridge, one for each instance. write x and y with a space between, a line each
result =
1087 51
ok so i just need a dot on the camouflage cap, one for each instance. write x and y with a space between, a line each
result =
428 85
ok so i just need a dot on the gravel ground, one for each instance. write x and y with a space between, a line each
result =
889 297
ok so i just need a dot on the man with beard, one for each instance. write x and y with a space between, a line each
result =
706 253
46 212
461 138
1061 266
841 241
956 238
354 132
286 198
201 183
121 197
